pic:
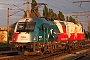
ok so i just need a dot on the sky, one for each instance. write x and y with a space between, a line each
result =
65 6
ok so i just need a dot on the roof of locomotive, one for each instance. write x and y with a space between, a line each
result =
24 19
39 20
70 24
66 23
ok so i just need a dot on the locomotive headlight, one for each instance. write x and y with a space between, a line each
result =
34 38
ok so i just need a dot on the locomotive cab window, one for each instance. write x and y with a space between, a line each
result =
26 26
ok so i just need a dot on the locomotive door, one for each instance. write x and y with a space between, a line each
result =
44 33
48 33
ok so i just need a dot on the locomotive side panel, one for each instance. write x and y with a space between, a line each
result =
63 37
71 31
80 33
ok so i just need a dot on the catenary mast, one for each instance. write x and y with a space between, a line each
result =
28 9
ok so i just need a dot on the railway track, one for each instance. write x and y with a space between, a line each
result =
83 55
5 51
6 48
55 56
46 57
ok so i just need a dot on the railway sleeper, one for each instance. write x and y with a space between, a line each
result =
33 52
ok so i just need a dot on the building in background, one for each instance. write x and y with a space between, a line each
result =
3 34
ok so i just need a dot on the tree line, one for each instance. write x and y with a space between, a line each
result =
48 13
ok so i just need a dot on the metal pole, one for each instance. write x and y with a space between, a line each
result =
28 8
8 25
88 27
76 19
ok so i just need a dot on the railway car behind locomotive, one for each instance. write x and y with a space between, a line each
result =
74 31
40 35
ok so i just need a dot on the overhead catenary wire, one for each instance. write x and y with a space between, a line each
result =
82 1
60 7
64 8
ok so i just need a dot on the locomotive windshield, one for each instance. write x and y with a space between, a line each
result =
26 26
